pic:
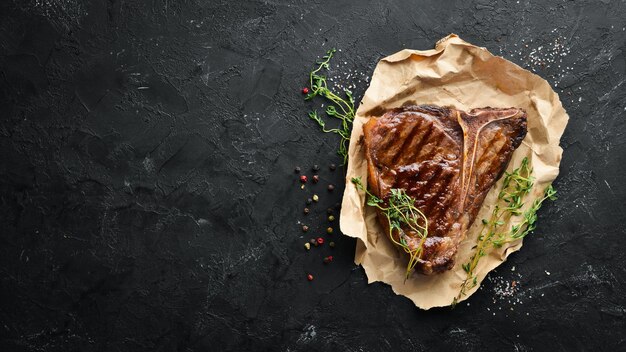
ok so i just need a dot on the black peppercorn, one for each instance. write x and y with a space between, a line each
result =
316 168
297 169
309 201
329 211
332 167
306 211
331 188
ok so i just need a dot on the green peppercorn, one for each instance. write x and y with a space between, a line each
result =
307 246
332 244
316 198
331 218
329 230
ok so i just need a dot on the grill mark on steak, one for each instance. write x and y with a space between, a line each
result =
408 140
447 160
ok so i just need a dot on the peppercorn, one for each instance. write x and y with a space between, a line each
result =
316 168
306 211
320 241
303 178
329 211
332 167
302 186
331 218
328 259
329 230
305 228
307 246
309 201
313 241
331 244
316 198
331 188
305 90
316 178
297 169
309 277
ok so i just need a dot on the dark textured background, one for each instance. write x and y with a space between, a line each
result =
148 201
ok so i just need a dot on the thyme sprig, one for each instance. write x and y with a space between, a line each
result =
515 187
339 108
400 211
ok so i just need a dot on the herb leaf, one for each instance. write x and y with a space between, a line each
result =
401 214
341 108
515 187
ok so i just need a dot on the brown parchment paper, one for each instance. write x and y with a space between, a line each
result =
465 76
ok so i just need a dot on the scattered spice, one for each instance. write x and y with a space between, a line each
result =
309 201
306 211
316 198
329 230
305 90
329 210
331 188
507 291
316 178
313 241
320 240
305 228
309 277
316 168
297 169
307 246
328 259
331 218
302 186
332 167
303 178
331 244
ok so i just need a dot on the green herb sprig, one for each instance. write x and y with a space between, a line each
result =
515 187
340 108
400 211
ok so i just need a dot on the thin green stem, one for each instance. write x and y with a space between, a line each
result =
342 109
515 187
401 212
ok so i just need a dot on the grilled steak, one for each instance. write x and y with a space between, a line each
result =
447 160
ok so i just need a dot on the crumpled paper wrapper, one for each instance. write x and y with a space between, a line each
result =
465 76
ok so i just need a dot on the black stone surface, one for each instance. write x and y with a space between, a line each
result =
149 202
